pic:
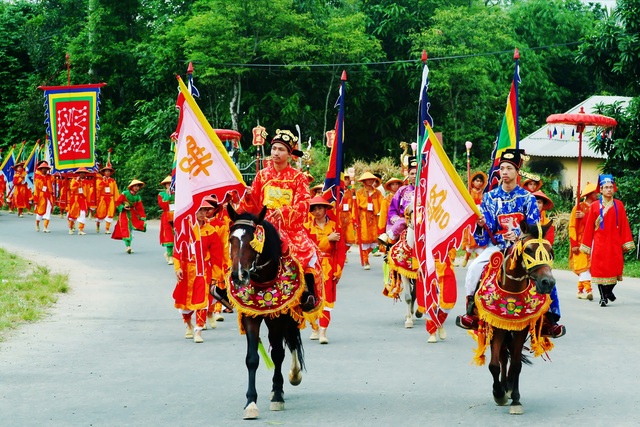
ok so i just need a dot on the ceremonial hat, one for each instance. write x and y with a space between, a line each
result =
135 182
547 203
513 156
43 165
82 170
288 137
588 189
209 202
369 175
18 165
538 182
391 181
412 163
107 167
606 179
319 200
479 174
316 187
167 180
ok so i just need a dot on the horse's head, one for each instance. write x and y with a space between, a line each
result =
534 254
253 247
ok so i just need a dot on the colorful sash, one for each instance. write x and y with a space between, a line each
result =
402 262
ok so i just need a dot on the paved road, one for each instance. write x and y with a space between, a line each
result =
112 353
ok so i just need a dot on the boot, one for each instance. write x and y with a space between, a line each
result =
222 297
308 300
470 319
603 298
551 328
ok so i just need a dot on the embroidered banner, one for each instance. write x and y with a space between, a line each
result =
72 125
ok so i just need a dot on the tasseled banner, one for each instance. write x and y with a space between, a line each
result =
539 344
257 243
263 353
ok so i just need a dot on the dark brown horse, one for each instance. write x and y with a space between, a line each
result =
528 260
256 270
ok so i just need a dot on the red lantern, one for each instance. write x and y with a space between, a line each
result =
259 135
331 138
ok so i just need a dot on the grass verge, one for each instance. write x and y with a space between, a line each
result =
26 291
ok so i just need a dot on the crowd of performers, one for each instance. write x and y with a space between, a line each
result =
310 228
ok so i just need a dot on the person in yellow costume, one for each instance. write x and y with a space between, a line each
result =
79 191
323 232
579 262
107 194
368 204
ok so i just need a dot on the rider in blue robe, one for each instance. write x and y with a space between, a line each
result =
503 211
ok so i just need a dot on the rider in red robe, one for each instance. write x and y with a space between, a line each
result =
285 192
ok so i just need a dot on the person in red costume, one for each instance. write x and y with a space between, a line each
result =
79 191
607 237
166 201
108 193
285 192
21 194
43 195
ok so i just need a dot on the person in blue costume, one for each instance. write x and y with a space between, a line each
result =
504 208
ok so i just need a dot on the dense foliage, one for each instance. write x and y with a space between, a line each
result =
277 62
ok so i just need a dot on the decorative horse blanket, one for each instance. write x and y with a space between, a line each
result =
402 262
280 296
507 310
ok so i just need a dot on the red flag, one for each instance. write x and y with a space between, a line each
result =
443 210
203 168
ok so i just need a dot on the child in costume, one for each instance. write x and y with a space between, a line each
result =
131 214
478 182
322 231
579 262
191 293
368 202
545 205
166 200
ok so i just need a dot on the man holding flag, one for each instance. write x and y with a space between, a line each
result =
504 208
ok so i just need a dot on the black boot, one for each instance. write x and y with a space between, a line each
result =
603 297
308 301
470 319
608 289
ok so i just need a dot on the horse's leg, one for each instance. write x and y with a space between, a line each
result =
295 373
409 299
514 371
276 339
251 326
499 394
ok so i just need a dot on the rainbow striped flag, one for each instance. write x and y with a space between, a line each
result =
509 135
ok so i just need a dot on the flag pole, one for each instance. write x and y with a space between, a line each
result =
468 146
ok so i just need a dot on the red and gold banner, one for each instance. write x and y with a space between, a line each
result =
72 124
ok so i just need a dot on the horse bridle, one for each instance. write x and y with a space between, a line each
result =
254 269
540 258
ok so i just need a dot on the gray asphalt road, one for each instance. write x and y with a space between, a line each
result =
112 353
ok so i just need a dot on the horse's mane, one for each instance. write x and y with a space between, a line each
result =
270 232
532 229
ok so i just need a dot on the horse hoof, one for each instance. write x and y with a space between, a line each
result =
408 323
277 406
432 338
251 412
501 401
516 410
295 379
442 333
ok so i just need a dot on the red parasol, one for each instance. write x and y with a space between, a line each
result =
580 121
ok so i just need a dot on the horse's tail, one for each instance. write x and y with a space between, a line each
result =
293 340
507 346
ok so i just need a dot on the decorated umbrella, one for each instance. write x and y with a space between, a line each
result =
580 121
